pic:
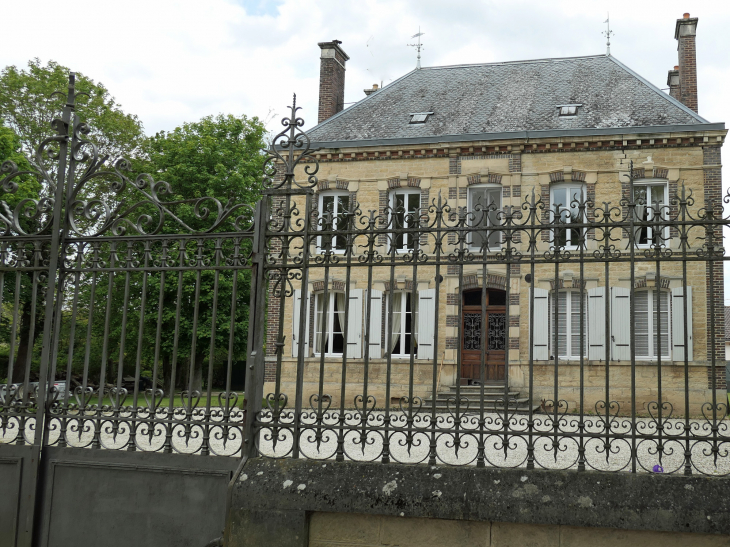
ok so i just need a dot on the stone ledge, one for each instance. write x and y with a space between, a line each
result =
626 501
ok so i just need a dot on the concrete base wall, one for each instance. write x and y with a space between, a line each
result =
296 503
351 530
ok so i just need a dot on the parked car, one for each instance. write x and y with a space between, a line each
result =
32 391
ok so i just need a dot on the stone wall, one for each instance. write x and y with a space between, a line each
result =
445 173
296 502
355 530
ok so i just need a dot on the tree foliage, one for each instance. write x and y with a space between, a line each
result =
28 105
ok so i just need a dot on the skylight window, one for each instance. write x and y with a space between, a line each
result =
419 117
568 110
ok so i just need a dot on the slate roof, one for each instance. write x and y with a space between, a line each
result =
509 97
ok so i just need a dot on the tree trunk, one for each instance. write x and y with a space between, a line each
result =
166 375
25 344
197 384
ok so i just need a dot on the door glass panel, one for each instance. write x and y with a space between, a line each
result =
472 331
496 331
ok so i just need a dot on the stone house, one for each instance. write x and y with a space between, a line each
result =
564 129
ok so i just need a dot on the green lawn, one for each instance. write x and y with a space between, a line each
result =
176 403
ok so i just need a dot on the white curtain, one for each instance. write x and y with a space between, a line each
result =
397 308
341 306
321 326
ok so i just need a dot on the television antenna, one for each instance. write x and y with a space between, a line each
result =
418 46
608 33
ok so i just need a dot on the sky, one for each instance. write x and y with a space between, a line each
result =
175 61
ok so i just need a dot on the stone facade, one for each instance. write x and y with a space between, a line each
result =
602 165
521 169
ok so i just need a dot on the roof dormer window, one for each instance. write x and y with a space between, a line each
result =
568 110
419 117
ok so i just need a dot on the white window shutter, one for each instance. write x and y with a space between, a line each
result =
296 305
426 323
678 324
620 324
597 324
354 325
376 310
540 334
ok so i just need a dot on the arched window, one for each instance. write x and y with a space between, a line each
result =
485 202
651 198
404 205
333 205
565 200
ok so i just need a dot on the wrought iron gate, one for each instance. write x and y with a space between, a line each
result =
123 306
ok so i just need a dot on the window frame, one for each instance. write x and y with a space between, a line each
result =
651 335
335 219
570 314
330 325
414 321
553 201
391 200
470 208
651 182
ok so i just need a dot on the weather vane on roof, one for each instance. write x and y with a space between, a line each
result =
608 33
418 46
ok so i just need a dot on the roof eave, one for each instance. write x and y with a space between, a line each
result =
523 135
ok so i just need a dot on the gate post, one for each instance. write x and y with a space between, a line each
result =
256 332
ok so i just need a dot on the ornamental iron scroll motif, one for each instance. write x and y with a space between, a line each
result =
497 331
473 331
289 148
98 200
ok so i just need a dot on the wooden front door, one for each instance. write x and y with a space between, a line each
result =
487 333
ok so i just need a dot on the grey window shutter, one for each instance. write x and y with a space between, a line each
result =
376 310
540 333
426 323
597 324
354 325
678 344
620 324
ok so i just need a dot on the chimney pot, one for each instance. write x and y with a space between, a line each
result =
676 67
686 15
368 92
331 79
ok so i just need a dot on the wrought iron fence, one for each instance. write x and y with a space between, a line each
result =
563 333
125 309
574 333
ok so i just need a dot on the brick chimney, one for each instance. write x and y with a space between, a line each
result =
673 83
685 33
331 79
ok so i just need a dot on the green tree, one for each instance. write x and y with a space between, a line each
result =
27 105
28 187
215 159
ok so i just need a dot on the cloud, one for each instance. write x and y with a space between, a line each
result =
172 61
